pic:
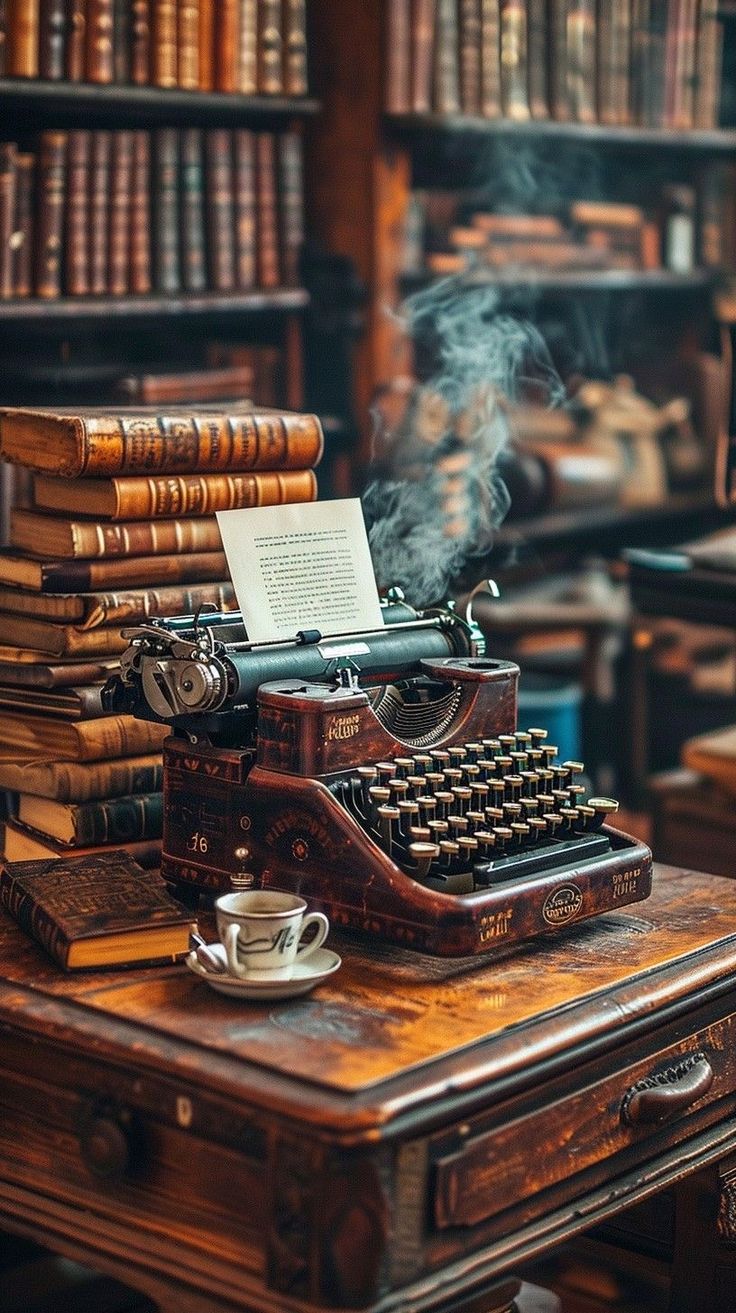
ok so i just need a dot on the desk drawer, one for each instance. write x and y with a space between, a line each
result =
651 1104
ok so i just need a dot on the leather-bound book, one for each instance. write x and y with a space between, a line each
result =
51 188
538 47
227 44
140 214
3 38
220 209
100 63
84 824
7 216
654 76
140 42
248 48
118 248
124 606
446 98
292 208
57 640
188 44
398 57
470 55
96 911
140 498
76 40
296 76
163 43
165 199
78 781
270 48
25 845
490 54
83 702
84 442
128 572
22 39
557 35
244 146
99 185
193 239
708 67
76 246
640 39
121 40
514 60
54 536
51 39
22 239
582 60
422 42
614 41
267 221
196 385
84 740
206 45
680 65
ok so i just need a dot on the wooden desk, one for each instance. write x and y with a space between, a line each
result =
398 1140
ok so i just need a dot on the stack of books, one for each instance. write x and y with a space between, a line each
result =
245 46
133 212
122 528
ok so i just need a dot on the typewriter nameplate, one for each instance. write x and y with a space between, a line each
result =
343 649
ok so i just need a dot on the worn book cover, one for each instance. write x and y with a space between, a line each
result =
81 703
138 498
83 740
96 911
66 576
53 536
107 820
122 607
22 844
80 781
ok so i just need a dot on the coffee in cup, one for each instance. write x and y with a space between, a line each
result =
263 932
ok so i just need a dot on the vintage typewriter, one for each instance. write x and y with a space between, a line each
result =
380 774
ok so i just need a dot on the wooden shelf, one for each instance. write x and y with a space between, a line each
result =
710 140
591 280
31 312
31 104
592 522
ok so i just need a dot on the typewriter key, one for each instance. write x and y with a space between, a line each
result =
503 836
575 792
494 816
511 812
492 747
445 801
399 789
441 757
530 807
438 830
420 833
422 763
569 818
458 825
523 739
427 807
486 842
553 821
586 814
471 772
537 736
457 755
462 795
474 750
388 818
487 767
423 855
480 794
386 771
404 766
433 780
514 785
521 832
408 816
602 807
417 784
520 760
476 820
538 828
507 742
531 780
453 776
468 849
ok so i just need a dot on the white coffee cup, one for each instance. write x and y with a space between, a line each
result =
262 931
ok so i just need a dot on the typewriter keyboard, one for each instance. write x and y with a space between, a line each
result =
479 814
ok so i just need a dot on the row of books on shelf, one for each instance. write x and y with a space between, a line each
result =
79 776
244 46
651 63
121 212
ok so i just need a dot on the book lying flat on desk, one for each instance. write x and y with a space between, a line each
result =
126 572
134 497
52 536
22 844
80 781
83 740
108 820
123 607
96 911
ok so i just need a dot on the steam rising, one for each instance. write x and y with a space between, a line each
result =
437 493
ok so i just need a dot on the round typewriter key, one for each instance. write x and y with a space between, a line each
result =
494 816
441 757
486 842
602 807
422 855
388 819
480 794
408 815
497 791
492 747
520 831
536 758
560 797
504 765
399 789
404 766
458 825
513 788
420 833
537 736
434 779
462 795
512 811
487 767
503 836
449 852
471 771
445 800
386 771
574 767
468 848
422 762
438 830
546 801
476 820
427 807
530 807
553 821
379 795
453 776
586 814
520 760
569 817
523 739
474 750
575 792
457 754
507 741
538 828
531 780
417 784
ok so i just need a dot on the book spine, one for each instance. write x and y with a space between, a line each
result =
188 44
99 183
99 62
267 245
581 61
270 48
557 68
140 214
193 240
422 39
292 213
206 45
640 33
52 39
30 917
118 820
708 69
121 40
89 576
163 43
398 60
245 207
22 41
116 736
99 539
69 781
248 48
136 605
296 78
166 251
191 385
446 99
140 498
51 187
22 239
3 38
140 42
8 178
76 41
227 44
77 232
220 209
118 246
514 60
470 33
538 42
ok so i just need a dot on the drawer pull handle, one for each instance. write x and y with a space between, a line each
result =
105 1147
667 1093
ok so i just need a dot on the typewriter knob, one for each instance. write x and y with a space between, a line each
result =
201 686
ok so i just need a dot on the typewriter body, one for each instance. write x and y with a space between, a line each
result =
379 774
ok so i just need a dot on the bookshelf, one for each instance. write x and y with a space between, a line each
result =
367 162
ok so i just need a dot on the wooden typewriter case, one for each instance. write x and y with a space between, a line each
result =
270 811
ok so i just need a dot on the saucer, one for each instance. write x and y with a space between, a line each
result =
317 967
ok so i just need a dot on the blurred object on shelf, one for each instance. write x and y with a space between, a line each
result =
714 756
693 822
